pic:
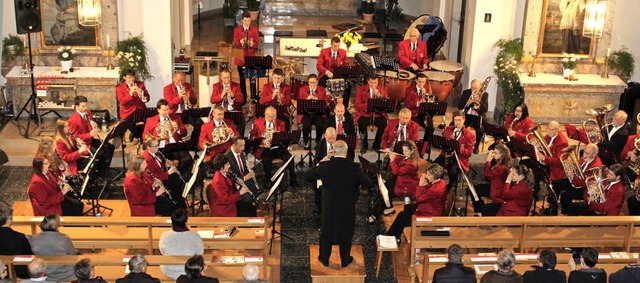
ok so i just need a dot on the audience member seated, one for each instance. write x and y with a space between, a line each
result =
37 272
13 242
628 274
85 272
504 274
194 269
546 270
138 271
454 270
588 271
4 274
51 242
179 241
251 273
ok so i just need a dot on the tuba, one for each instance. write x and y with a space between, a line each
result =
635 166
596 127
475 99
166 129
595 187
569 161
221 134
538 142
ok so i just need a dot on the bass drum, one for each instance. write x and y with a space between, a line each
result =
432 32
441 83
396 82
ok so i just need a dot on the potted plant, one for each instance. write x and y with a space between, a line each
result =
253 6
510 91
66 55
368 8
229 11
131 53
12 48
569 64
393 14
623 63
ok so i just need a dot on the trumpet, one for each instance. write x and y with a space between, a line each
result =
134 88
182 92
227 97
277 94
170 164
240 182
80 143
158 184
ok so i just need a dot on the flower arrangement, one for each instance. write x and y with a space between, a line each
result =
505 69
368 6
65 53
12 47
131 53
349 38
253 5
569 61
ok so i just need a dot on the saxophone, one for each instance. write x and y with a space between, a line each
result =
166 129
221 134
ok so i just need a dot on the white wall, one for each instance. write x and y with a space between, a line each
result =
416 8
8 18
625 32
207 5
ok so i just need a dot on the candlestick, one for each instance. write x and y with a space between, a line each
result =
605 74
533 66
608 52
108 43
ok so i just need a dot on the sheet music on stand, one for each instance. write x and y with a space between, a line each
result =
346 72
236 116
252 144
385 63
280 110
381 105
497 132
384 192
179 146
446 144
523 148
285 139
194 175
274 186
141 115
606 156
311 106
195 112
432 108
281 169
350 140
576 134
471 120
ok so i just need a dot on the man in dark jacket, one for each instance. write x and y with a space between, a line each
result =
546 270
138 268
628 274
454 271
477 106
588 272
12 242
341 180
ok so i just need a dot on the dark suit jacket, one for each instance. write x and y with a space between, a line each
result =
348 126
15 243
628 274
596 275
138 278
618 140
454 273
322 150
540 274
484 103
204 279
341 181
233 163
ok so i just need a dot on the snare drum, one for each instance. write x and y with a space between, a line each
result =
396 82
297 82
454 68
440 83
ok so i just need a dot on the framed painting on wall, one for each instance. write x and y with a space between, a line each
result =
561 29
60 26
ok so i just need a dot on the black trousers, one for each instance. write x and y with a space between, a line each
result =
196 123
135 131
428 126
452 169
561 187
402 220
103 160
580 209
268 155
567 197
326 245
634 205
72 206
245 207
379 122
307 121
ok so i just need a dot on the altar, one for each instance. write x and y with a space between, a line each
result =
551 97
59 90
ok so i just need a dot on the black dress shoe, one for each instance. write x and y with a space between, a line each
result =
324 262
475 151
349 261
307 146
363 150
376 147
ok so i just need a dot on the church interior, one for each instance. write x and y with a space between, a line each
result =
513 75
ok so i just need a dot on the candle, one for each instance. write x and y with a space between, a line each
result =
24 39
535 48
608 52
108 43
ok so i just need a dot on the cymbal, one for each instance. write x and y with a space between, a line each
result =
361 21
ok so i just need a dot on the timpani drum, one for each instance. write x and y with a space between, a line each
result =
396 82
297 82
454 68
441 83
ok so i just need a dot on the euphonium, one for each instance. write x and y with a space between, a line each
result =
166 129
595 185
221 134
635 166
596 128
569 161
475 99
538 142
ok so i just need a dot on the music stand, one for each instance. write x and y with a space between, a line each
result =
446 144
606 156
346 72
119 130
252 144
576 134
539 170
280 110
195 113
96 208
275 213
373 201
257 64
497 132
236 116
310 107
285 139
522 148
431 109
179 146
187 187
350 140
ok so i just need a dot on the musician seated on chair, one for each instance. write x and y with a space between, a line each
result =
267 152
312 91
241 168
557 143
371 90
590 162
518 122
215 137
324 152
142 190
277 92
47 195
474 103
223 193
343 122
400 130
517 193
75 157
132 95
168 128
405 174
180 96
84 127
63 173
417 93
618 133
228 95
330 58
496 169
167 172
431 195
465 139
630 156
413 52
602 197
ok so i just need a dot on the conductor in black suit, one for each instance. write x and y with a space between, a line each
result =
472 107
618 134
324 151
343 123
239 166
341 180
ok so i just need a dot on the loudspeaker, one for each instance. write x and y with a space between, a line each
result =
28 16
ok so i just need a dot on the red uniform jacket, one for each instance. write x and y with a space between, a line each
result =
466 140
614 199
579 182
411 98
267 94
431 199
326 62
419 57
222 196
362 96
170 94
130 102
259 127
207 137
238 34
496 176
391 132
406 172
69 155
218 90
152 123
140 194
554 162
522 127
320 93
517 199
45 195
157 165
81 127
629 146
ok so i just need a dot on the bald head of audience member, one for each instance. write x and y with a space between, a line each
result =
251 272
37 268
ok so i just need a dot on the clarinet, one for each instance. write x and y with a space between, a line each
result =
80 143
159 184
240 182
177 172
63 182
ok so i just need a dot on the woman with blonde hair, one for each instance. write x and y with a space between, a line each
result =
76 156
139 188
